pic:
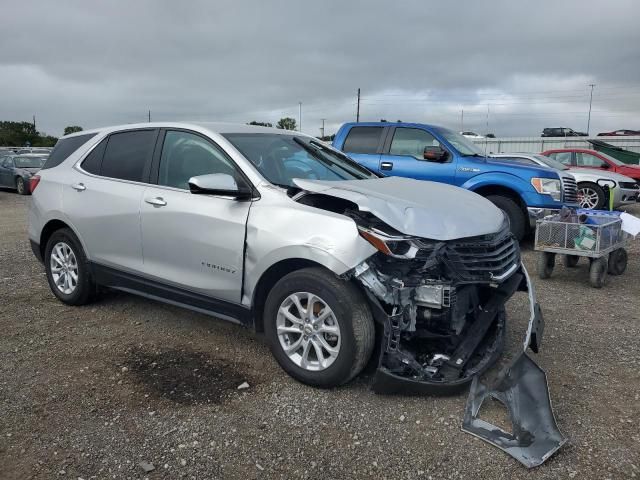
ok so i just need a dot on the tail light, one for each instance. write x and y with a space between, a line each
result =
33 182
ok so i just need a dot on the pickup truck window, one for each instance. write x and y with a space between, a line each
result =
411 141
362 140
463 145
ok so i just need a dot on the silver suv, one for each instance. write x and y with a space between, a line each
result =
279 232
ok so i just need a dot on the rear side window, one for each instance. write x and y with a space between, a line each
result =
363 140
93 161
127 153
64 148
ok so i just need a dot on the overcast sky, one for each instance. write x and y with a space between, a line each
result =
528 63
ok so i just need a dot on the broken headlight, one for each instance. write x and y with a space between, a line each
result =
394 246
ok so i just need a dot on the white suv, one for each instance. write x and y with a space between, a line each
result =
277 231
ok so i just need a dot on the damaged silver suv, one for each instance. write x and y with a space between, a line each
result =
275 230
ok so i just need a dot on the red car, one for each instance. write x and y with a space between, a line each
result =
583 158
619 133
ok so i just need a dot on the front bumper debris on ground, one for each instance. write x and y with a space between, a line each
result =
441 336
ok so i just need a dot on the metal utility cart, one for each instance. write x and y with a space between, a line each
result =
596 235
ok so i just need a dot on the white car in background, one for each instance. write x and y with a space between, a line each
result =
590 181
471 135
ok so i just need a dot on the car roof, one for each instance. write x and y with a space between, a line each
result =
393 124
215 127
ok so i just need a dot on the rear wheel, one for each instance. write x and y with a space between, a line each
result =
319 327
598 272
21 186
67 269
570 261
590 196
546 262
618 261
517 218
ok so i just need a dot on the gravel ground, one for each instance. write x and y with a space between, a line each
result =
124 384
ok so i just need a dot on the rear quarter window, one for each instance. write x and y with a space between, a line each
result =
64 148
363 140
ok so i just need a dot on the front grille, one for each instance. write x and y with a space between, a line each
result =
570 189
631 185
482 258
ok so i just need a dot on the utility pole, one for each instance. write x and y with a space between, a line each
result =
322 128
34 122
149 116
300 118
358 110
462 120
487 131
590 101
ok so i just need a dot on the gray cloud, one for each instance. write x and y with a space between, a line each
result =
98 63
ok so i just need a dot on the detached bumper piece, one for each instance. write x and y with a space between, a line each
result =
523 390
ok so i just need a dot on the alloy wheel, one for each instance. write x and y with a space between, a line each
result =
308 331
588 198
64 268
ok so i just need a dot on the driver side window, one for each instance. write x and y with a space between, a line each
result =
588 160
186 155
411 142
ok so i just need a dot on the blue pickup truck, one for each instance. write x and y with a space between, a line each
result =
428 152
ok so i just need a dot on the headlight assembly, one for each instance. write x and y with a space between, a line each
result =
547 186
394 246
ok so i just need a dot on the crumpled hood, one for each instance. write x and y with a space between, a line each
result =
414 207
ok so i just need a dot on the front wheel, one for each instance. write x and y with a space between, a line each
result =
546 262
319 327
516 216
618 261
590 196
598 272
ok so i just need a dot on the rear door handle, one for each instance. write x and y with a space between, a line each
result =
79 187
386 166
156 201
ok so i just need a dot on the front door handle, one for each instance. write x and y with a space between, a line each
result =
156 201
79 187
386 166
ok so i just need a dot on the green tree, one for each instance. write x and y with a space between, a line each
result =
16 134
260 124
72 129
286 123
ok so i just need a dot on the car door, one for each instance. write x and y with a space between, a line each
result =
102 198
364 144
193 241
5 171
587 160
404 156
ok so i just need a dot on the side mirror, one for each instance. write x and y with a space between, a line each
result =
606 166
435 154
219 184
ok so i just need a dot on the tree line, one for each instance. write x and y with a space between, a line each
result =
21 134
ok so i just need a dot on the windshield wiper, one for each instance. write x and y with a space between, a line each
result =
344 157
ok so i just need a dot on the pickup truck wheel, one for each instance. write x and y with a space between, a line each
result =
590 196
517 218
319 327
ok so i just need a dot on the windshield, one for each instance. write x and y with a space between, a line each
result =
464 146
615 161
29 162
551 162
281 158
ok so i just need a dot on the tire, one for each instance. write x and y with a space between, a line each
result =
594 191
350 311
21 186
517 218
570 261
546 262
598 272
85 288
617 262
